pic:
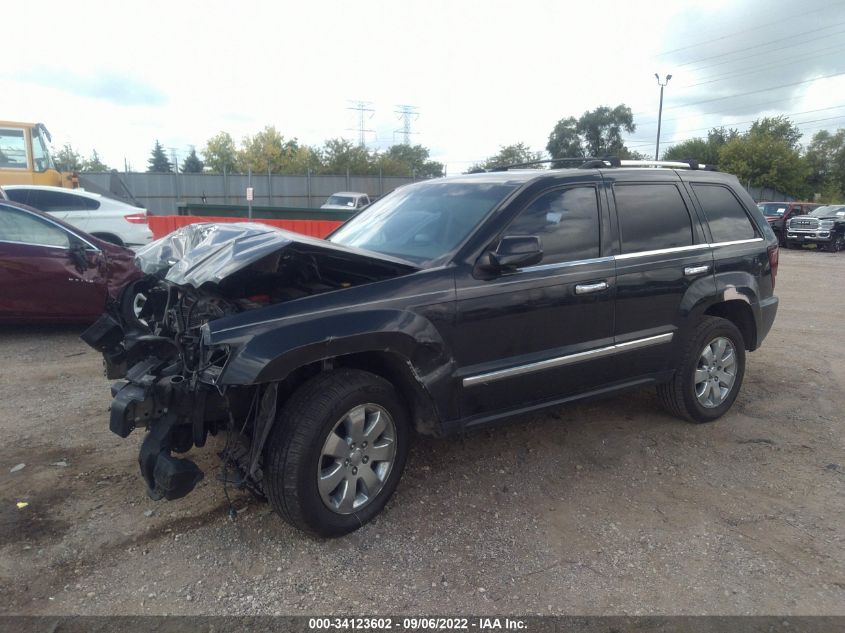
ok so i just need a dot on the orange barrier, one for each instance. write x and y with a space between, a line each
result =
161 225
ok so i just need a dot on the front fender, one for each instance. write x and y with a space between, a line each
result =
273 354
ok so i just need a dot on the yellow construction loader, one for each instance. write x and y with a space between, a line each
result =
25 157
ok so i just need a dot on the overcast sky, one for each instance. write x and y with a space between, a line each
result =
116 76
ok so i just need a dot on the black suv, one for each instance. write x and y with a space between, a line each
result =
445 306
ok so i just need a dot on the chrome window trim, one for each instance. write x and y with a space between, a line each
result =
555 266
735 242
664 251
569 359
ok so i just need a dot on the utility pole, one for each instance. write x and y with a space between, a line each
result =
406 114
660 113
362 108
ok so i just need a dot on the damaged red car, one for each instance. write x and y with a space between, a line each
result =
51 272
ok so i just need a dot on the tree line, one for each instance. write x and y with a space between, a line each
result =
769 154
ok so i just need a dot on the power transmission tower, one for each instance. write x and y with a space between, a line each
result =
362 108
406 114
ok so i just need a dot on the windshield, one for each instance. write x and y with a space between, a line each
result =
422 222
341 201
772 209
828 211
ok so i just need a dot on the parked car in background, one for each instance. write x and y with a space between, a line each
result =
824 227
52 272
778 214
105 218
347 200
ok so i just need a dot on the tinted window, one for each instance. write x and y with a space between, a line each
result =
651 217
20 226
45 200
725 215
566 221
422 222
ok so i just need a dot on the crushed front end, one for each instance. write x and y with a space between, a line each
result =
156 342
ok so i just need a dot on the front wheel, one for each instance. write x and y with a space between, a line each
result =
710 373
336 452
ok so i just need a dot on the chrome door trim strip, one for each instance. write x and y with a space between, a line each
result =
555 266
560 361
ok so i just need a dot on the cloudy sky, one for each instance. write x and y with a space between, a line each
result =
115 76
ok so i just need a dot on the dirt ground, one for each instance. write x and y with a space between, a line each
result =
611 507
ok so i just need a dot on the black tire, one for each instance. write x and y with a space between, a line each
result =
293 450
678 395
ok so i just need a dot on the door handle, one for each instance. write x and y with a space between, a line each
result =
583 289
689 271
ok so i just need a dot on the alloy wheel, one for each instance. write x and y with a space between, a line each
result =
356 458
716 372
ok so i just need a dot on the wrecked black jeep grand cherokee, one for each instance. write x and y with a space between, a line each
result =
447 305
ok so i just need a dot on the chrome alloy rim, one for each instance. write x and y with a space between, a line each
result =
357 458
716 372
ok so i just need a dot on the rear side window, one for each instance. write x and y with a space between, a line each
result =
652 217
725 215
566 221
45 200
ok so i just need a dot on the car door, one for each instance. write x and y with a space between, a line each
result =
40 276
664 263
529 335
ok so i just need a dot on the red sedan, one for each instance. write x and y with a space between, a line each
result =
53 272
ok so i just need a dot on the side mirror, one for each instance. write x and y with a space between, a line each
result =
78 256
516 251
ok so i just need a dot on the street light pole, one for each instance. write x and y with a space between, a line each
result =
660 113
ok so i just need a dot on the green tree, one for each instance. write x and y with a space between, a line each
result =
192 163
67 159
704 150
158 161
826 161
404 160
340 154
514 154
595 133
220 153
94 164
268 149
767 155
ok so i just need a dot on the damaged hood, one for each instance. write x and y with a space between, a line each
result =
209 252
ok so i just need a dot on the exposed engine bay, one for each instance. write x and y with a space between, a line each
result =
152 340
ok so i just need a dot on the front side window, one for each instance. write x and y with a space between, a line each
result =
12 149
725 215
424 222
652 217
566 221
22 227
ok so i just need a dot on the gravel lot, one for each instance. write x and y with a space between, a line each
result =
611 507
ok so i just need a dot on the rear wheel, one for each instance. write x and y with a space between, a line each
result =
336 452
710 374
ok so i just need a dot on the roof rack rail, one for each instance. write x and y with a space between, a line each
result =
592 162
687 163
613 161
